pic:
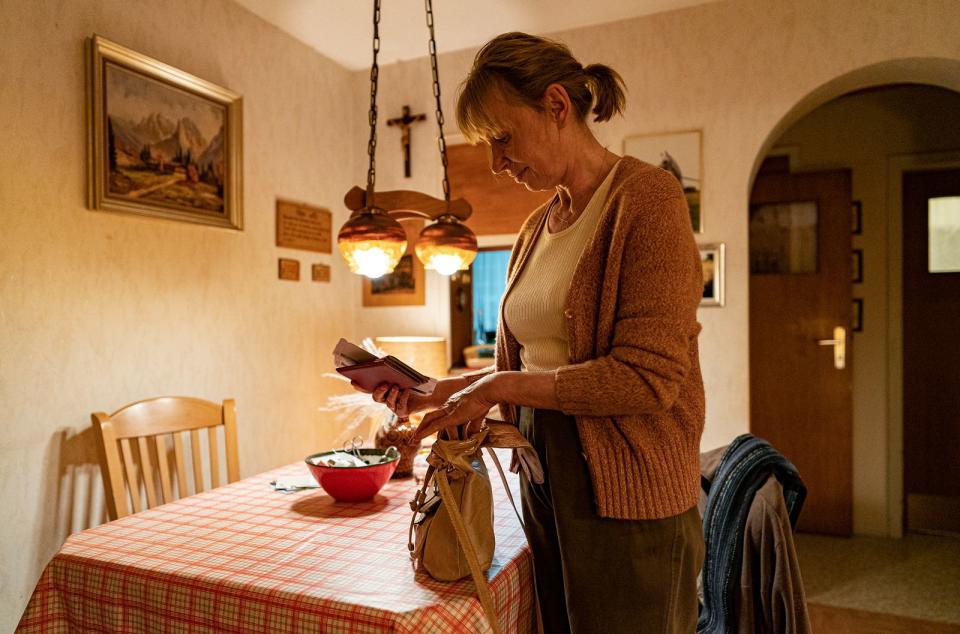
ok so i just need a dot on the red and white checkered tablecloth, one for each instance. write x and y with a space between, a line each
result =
245 558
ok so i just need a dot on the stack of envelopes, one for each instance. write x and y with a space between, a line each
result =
368 370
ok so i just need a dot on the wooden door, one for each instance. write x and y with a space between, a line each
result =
931 351
461 315
800 292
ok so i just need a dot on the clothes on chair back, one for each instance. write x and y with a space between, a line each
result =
772 600
751 575
599 574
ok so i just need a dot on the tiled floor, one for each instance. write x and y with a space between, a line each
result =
917 577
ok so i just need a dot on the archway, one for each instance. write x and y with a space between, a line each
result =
880 508
932 71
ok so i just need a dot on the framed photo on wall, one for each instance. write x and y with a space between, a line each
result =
680 154
856 266
162 142
405 286
712 260
856 315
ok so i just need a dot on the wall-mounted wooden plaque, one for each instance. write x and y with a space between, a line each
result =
320 272
301 226
289 269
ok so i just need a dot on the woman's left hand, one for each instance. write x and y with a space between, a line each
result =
468 405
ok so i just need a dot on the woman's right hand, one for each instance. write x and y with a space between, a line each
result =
401 402
393 396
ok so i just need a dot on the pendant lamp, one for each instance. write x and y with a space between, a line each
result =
372 241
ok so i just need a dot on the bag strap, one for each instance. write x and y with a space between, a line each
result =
418 499
507 436
479 579
506 486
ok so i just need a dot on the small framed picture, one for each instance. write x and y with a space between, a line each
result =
856 266
402 287
711 258
680 154
856 217
406 285
856 315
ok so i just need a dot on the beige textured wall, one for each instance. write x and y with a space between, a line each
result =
742 71
98 310
861 132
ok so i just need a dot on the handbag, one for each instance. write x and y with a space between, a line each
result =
451 531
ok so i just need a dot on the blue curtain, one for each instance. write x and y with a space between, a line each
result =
489 281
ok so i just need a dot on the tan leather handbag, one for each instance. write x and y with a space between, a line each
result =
451 531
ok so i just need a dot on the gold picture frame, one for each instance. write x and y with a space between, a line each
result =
681 154
712 258
405 286
161 142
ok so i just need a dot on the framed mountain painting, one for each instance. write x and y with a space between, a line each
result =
162 142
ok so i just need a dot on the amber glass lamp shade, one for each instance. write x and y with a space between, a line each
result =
447 246
372 243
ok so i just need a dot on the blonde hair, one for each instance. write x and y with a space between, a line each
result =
522 66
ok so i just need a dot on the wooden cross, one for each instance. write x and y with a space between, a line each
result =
405 122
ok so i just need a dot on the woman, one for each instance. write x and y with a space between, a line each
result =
597 357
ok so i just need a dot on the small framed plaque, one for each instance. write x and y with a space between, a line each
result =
301 226
320 272
289 269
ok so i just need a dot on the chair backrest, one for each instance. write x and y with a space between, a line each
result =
148 425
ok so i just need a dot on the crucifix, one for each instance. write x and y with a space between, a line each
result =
404 123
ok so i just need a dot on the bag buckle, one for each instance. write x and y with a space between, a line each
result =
417 501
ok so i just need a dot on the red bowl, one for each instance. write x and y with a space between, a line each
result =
352 484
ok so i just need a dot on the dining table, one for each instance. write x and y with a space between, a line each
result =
247 558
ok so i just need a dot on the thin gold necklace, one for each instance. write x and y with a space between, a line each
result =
565 220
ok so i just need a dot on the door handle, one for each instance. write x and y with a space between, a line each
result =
839 343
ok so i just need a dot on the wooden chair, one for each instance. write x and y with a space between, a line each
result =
149 423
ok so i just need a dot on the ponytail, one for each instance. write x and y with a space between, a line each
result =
607 88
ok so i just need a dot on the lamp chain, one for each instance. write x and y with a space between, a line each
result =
436 93
372 117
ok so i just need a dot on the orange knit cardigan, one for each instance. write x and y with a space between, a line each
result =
633 382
